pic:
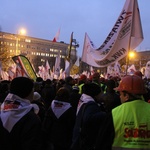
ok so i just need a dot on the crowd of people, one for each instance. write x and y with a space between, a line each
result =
75 114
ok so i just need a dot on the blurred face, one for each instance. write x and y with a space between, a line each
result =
123 97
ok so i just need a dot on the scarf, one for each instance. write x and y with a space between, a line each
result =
13 109
83 100
59 107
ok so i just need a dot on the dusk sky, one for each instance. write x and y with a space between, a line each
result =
43 18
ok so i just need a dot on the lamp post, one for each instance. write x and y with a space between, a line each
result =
21 31
130 55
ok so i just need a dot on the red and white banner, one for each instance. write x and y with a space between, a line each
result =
125 35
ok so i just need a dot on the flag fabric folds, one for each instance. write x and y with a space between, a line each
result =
126 34
67 68
56 38
24 67
57 66
75 67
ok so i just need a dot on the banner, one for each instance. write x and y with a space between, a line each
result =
125 35
24 67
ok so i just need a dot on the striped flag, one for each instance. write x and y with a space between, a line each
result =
24 67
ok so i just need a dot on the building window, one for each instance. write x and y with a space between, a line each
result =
28 40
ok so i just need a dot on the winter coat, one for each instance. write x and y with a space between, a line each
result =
20 127
58 124
88 120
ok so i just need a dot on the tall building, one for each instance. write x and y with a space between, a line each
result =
37 50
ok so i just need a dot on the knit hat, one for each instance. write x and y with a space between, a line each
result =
62 94
91 89
21 86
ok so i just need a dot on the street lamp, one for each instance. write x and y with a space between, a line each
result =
130 55
21 31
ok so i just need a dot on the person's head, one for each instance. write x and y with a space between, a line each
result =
62 94
39 79
92 90
22 87
110 85
131 87
82 78
96 77
69 80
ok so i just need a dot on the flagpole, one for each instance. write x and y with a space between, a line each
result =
129 46
69 54
127 58
70 46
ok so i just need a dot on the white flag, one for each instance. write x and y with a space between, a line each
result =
47 66
126 34
67 68
131 69
57 65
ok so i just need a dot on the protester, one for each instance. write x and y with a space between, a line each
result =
4 89
37 99
59 121
111 98
20 127
128 125
69 82
74 97
81 82
48 93
89 118
99 81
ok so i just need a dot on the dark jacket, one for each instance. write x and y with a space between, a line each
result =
88 122
25 135
58 130
48 94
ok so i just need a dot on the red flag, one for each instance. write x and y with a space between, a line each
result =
56 38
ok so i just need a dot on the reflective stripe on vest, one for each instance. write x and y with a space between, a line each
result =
80 88
132 126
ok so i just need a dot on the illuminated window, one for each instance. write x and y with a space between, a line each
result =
28 40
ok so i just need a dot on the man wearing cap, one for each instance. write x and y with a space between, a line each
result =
20 127
127 127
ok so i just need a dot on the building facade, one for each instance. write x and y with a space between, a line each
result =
38 51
